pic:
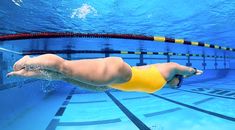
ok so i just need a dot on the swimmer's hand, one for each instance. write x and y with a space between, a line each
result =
176 81
171 72
193 72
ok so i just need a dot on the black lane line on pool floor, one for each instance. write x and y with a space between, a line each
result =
170 93
54 122
203 101
129 114
116 120
205 94
134 98
190 91
163 112
197 109
175 109
95 101
223 89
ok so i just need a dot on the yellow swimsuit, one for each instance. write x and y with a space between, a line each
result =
144 80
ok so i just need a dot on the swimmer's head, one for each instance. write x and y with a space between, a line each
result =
198 72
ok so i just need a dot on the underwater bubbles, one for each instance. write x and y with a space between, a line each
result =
83 11
17 2
47 85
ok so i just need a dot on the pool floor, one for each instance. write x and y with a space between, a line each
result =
195 106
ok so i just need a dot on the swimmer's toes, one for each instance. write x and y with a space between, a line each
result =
11 74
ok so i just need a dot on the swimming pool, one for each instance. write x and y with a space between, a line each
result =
192 33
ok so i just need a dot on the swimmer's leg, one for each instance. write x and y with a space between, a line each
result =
52 75
86 86
97 72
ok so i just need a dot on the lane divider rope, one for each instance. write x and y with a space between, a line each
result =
22 36
38 52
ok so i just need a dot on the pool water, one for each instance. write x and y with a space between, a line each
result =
204 105
203 102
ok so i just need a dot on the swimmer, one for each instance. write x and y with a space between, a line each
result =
103 73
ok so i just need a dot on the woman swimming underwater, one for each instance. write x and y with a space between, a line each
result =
103 73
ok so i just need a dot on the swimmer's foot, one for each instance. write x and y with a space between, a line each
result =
20 64
32 74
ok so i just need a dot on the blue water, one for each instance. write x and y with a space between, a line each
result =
203 102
